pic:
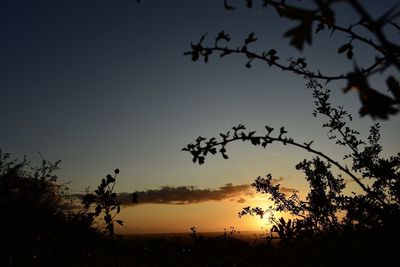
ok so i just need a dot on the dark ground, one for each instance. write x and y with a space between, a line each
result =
222 250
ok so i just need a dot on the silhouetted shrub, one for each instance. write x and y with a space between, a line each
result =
38 220
104 200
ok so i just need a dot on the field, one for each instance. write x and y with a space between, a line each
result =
211 249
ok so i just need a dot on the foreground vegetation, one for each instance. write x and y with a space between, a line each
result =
43 226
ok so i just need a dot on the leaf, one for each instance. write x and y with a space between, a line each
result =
227 6
269 129
120 222
116 171
239 127
301 62
272 52
344 48
223 153
356 80
255 140
110 179
376 104
373 102
300 34
394 87
272 56
223 36
349 54
249 3
201 160
200 139
195 55
328 15
294 13
251 38
213 150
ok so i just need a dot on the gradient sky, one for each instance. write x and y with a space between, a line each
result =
104 84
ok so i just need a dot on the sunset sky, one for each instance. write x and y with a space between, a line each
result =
104 84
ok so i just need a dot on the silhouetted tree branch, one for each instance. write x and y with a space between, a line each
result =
378 178
376 104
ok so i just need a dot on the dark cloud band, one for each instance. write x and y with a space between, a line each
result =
182 195
186 194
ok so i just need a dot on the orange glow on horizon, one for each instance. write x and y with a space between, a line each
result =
210 216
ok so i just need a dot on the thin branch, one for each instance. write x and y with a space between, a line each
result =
377 29
393 24
253 55
333 26
291 142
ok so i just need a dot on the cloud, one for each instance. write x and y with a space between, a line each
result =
283 189
277 180
241 200
186 194
287 190
182 195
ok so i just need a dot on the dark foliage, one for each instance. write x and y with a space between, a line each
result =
105 202
310 21
38 219
326 209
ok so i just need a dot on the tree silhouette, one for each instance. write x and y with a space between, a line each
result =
365 30
375 206
38 217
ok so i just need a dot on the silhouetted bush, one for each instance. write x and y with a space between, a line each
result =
39 220
104 200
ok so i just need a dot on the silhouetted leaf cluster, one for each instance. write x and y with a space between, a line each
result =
365 30
203 146
105 202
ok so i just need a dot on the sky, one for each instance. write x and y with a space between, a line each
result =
104 84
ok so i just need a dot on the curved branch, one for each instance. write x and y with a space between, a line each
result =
198 149
264 57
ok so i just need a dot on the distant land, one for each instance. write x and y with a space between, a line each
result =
243 235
